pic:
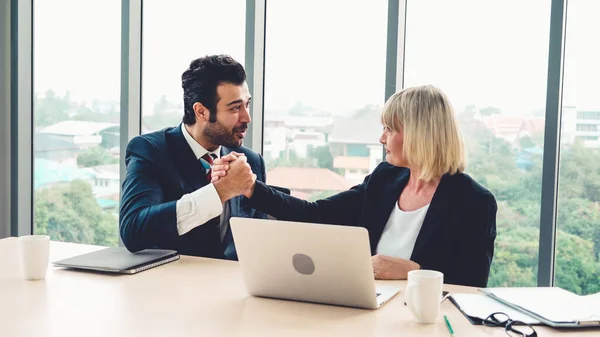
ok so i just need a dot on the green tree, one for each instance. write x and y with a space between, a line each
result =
323 156
526 142
51 109
322 195
515 257
298 109
488 111
492 162
95 113
577 269
95 156
162 105
580 172
70 213
470 110
159 121
290 158
368 111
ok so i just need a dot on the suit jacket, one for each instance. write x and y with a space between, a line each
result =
458 232
161 168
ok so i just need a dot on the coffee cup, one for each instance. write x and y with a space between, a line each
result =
34 251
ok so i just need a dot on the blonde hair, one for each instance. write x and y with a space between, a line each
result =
432 141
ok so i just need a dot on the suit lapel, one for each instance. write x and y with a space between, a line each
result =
382 205
187 164
225 151
438 209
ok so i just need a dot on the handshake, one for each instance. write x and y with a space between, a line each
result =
232 176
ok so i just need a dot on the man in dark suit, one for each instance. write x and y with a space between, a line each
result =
167 199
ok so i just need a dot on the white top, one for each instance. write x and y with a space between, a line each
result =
197 208
400 232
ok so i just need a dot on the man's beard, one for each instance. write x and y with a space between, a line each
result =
218 134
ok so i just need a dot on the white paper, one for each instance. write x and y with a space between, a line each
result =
481 306
552 303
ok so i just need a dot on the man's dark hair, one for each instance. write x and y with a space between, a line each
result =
201 79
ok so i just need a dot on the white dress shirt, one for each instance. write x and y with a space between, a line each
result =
401 231
197 208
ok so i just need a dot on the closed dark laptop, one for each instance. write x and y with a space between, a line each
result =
120 260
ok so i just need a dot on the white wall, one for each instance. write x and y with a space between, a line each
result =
569 130
569 121
278 138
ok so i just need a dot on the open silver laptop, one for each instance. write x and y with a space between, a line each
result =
308 262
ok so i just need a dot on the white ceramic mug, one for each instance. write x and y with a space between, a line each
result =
34 251
423 294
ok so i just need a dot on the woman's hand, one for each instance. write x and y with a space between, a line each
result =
392 268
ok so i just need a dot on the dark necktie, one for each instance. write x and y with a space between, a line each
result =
207 161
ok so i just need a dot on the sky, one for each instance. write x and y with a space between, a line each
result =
329 55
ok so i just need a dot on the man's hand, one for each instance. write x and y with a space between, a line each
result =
392 268
221 165
238 180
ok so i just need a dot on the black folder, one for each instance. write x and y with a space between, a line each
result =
119 260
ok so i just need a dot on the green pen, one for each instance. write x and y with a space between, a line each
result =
450 330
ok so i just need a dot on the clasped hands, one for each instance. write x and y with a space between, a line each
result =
233 175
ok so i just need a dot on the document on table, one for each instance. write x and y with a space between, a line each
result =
480 306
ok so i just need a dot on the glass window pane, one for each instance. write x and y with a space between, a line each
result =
324 90
175 33
578 217
77 63
491 59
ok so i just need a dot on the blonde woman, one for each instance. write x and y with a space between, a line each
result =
421 210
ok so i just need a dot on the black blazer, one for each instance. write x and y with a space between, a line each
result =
161 168
457 236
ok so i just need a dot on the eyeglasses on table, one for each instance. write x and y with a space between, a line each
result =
511 327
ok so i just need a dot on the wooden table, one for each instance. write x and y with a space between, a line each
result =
192 297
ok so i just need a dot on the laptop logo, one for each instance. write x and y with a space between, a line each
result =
303 264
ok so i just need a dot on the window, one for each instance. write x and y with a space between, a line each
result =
77 57
577 265
175 33
491 60
324 87
587 127
588 114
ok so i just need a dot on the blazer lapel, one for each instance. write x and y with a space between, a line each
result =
225 151
438 209
190 168
382 205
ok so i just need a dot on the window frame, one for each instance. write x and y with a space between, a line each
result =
16 178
